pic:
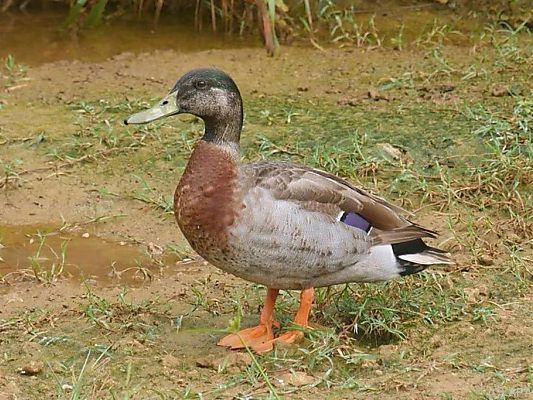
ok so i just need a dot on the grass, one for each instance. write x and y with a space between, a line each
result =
15 72
9 169
55 271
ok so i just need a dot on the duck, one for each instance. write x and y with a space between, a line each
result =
278 224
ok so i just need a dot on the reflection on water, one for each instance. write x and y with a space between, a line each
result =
34 38
30 251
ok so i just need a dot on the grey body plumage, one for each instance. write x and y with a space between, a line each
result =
290 236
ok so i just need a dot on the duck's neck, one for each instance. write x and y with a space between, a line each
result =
225 128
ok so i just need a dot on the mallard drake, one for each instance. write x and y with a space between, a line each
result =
282 225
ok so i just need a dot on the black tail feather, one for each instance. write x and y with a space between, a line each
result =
418 247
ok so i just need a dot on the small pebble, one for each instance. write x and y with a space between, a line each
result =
32 368
376 95
352 102
499 91
297 378
485 260
66 387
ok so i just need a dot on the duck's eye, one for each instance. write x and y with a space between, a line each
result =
200 84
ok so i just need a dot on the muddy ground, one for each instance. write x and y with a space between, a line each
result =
101 297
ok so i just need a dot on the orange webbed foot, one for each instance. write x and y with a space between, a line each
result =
261 338
290 337
286 338
250 337
258 337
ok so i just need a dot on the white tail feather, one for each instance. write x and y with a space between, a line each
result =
427 257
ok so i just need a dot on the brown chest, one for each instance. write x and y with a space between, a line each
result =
205 199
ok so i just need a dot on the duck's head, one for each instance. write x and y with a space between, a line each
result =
209 94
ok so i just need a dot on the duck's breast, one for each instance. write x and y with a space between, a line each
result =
205 201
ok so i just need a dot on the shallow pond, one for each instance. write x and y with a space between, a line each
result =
36 37
48 253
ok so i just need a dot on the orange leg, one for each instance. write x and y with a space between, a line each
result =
260 337
301 318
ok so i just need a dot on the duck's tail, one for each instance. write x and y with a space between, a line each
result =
415 256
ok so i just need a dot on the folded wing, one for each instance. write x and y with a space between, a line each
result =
324 193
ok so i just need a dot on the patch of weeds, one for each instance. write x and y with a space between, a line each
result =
101 134
181 253
46 265
506 40
124 315
46 340
442 65
379 314
505 173
398 40
484 314
436 35
10 171
104 106
179 143
101 138
509 393
518 267
75 375
15 71
345 26
260 371
139 270
55 270
511 134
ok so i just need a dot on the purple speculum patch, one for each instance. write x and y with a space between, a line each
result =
355 220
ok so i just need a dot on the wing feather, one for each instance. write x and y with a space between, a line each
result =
320 191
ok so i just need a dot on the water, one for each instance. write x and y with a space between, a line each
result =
35 37
45 251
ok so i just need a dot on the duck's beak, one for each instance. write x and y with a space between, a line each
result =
167 106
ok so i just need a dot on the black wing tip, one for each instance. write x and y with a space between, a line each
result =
418 246
435 250
409 247
430 232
